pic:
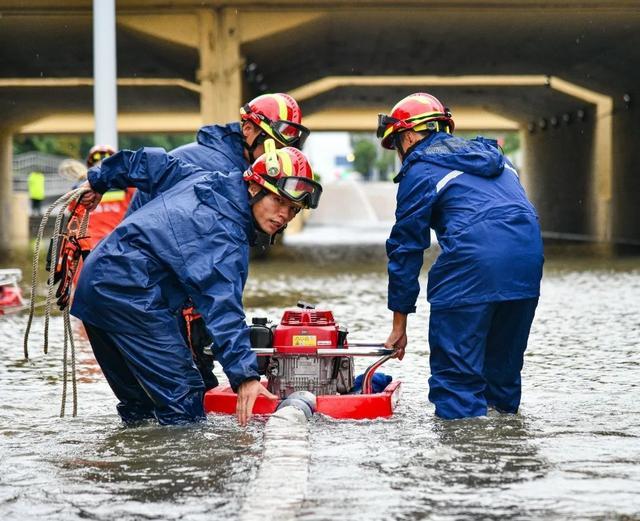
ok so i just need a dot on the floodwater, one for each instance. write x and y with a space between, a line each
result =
573 452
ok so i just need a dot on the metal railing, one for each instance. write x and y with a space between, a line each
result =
24 164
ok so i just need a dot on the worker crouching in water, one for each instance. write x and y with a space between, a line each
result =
191 241
484 286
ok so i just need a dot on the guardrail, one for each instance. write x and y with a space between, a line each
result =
24 164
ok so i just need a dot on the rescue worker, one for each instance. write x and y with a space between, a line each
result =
223 148
113 205
190 241
484 286
36 188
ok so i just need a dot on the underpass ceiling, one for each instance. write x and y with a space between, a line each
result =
599 50
520 104
58 47
21 106
595 48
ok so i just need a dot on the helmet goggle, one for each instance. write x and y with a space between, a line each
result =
388 125
300 190
286 132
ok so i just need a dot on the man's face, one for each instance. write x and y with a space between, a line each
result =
272 212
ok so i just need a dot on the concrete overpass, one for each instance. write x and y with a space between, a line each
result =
564 72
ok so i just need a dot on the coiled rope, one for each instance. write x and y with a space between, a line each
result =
61 204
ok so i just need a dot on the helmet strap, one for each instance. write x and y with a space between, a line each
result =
279 232
251 148
258 197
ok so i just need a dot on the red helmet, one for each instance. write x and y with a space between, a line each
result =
419 111
279 116
98 153
286 172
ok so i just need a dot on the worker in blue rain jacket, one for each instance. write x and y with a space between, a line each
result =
484 286
222 148
191 241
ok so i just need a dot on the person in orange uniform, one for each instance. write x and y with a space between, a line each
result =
113 206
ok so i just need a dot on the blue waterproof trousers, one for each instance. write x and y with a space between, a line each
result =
152 376
477 355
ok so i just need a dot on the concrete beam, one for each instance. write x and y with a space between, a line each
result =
88 82
144 122
328 83
181 29
364 120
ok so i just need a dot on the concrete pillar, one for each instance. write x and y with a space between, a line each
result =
20 221
6 190
221 65
603 171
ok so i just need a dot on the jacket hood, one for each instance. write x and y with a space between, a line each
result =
227 193
479 156
227 139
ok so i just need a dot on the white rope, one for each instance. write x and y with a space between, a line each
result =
61 204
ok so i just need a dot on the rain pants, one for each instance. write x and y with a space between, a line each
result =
483 287
190 241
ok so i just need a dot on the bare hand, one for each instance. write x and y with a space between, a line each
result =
248 391
91 199
397 340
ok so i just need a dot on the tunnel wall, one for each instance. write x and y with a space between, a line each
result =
626 175
557 169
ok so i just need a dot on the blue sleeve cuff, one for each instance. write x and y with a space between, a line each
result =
97 184
401 309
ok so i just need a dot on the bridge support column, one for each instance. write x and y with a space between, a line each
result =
220 72
6 190
603 171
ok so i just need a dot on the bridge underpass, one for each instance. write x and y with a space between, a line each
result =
565 73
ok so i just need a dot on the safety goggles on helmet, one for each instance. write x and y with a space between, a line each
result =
301 190
384 121
287 133
388 125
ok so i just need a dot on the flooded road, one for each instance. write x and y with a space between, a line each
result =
572 453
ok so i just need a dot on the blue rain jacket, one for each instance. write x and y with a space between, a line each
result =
487 229
191 240
218 148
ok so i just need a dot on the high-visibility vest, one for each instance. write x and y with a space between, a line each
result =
35 184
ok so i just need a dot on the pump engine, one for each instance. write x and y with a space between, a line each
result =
301 354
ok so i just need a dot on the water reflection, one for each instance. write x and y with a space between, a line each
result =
489 452
154 463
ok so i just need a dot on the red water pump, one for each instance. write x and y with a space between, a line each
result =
291 359
309 351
